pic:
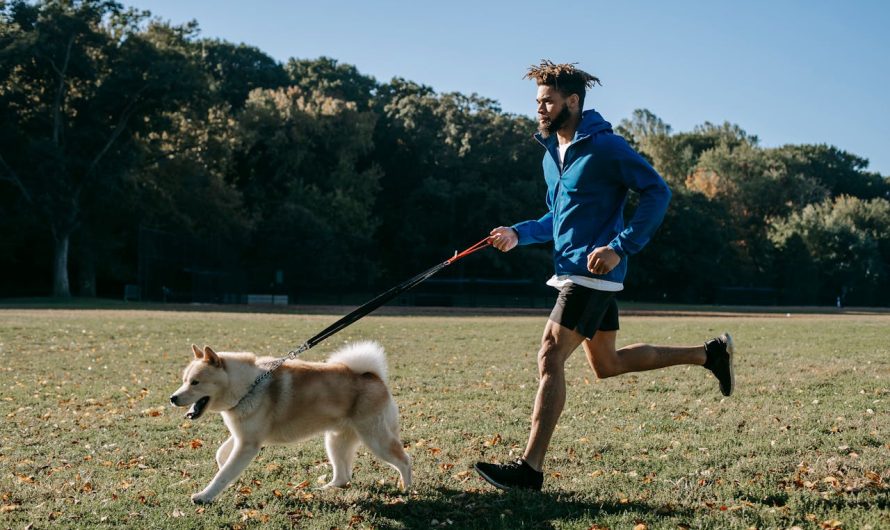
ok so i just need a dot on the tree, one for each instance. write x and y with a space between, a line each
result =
848 241
839 172
331 78
454 166
81 79
300 171
237 69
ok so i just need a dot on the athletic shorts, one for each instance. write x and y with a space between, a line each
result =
585 310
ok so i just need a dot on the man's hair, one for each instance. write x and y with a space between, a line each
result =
563 77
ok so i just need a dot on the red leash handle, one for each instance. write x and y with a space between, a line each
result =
478 246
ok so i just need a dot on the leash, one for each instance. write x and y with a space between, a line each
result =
361 312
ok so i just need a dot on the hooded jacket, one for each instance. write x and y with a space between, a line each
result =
585 200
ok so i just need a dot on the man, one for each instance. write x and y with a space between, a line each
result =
589 171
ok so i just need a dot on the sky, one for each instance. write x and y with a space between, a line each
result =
787 71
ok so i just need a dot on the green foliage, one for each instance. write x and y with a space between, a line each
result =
302 174
696 235
112 122
83 80
236 70
847 240
327 76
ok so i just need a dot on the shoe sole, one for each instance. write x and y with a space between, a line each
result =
730 350
497 484
490 480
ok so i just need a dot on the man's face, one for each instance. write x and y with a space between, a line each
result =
553 110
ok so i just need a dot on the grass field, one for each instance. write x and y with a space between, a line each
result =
90 441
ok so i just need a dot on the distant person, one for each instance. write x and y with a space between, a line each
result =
589 171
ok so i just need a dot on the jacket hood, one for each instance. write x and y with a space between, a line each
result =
592 122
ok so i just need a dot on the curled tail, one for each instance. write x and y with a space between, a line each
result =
361 357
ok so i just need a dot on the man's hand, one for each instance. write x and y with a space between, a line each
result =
504 238
602 260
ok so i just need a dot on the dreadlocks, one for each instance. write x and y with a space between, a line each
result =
563 77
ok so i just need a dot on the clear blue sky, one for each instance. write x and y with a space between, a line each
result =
789 71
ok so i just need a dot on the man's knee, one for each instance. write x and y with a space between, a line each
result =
604 362
605 369
550 358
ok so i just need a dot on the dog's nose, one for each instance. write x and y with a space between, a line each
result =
174 399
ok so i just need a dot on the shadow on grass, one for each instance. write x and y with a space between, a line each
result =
495 509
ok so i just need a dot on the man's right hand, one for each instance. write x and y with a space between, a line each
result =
504 238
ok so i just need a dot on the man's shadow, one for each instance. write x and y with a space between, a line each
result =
495 509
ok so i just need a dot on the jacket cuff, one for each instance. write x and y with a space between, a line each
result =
616 246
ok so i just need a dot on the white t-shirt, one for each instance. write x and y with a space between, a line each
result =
593 283
562 154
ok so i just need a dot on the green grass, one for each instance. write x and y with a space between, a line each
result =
89 441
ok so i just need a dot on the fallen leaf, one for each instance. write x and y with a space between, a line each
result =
494 441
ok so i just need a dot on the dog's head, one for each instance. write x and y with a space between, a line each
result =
203 382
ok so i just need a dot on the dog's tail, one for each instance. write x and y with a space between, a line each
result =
362 357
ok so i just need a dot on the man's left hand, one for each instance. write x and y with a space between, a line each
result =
602 260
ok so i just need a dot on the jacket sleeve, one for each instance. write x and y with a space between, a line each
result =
638 175
535 230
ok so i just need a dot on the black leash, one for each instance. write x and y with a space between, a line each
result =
359 313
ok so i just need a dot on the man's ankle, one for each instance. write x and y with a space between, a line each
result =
535 466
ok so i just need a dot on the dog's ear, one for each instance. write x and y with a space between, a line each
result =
198 353
211 357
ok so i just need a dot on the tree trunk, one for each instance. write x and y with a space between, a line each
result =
86 277
61 288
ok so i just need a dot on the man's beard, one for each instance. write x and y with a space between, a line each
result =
548 128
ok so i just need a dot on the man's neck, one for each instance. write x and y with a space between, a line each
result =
566 133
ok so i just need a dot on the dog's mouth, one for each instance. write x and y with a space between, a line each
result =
197 409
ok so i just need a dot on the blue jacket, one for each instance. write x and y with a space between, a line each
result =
586 200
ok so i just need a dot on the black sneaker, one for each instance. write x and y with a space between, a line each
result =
719 361
512 475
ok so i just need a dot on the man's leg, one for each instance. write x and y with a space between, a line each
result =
606 361
557 345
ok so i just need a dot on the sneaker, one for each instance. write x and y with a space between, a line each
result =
719 361
512 475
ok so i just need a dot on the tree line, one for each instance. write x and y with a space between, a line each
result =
310 176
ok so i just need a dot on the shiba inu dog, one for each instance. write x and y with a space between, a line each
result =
345 397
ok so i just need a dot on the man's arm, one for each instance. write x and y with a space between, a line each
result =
505 238
655 196
535 230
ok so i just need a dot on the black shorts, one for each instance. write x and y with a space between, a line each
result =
585 310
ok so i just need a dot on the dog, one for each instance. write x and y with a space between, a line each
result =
346 398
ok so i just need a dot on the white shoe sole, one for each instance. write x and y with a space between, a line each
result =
730 350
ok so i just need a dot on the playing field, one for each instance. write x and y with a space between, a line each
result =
89 440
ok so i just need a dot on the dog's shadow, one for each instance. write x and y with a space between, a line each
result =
493 509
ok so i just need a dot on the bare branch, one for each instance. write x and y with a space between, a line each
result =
60 93
115 134
11 176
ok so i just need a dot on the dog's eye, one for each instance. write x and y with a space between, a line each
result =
194 383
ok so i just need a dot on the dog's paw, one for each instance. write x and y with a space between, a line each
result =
201 498
332 484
